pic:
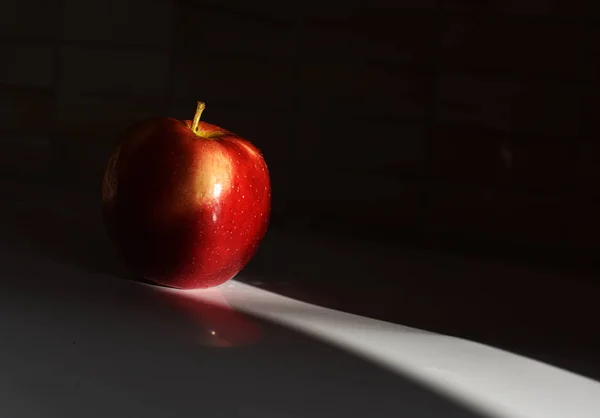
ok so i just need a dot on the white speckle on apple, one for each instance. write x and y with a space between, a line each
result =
217 190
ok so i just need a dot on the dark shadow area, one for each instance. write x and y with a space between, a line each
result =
83 344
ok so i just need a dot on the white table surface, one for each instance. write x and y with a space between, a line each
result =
82 343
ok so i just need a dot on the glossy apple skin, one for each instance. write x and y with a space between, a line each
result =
186 211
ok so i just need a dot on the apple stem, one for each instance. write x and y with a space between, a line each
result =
199 109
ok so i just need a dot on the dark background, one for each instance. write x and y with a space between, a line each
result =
412 120
456 126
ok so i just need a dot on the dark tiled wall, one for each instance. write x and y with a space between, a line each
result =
477 119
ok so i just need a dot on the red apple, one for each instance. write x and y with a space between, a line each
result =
186 202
